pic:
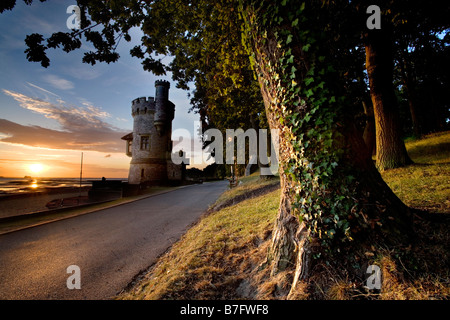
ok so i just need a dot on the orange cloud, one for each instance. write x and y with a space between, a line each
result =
83 128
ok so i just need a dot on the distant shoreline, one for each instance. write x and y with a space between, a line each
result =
14 204
27 186
42 191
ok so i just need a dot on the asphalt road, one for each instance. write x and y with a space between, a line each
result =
110 246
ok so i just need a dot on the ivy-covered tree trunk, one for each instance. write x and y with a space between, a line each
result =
391 150
333 199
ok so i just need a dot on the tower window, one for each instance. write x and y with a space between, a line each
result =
145 143
129 148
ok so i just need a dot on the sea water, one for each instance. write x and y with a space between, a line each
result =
29 184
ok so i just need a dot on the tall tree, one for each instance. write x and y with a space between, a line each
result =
332 195
378 42
390 147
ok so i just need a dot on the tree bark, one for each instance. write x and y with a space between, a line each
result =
391 150
376 214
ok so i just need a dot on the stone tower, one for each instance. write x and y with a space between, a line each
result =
150 143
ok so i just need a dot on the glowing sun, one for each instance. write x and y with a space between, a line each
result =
36 167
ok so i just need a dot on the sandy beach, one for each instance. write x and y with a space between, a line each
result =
17 204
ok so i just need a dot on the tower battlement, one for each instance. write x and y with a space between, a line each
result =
142 100
142 105
164 83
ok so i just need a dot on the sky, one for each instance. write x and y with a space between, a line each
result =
50 116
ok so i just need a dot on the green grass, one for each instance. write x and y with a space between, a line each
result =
431 149
426 183
246 185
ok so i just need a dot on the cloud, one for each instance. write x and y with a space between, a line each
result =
82 72
82 128
59 83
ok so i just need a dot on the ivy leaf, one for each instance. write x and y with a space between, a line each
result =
289 39
306 118
293 69
302 7
306 47
295 22
309 80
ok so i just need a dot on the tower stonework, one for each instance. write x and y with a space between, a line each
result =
150 143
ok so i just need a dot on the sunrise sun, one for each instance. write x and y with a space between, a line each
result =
36 167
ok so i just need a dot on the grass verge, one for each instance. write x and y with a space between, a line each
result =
223 255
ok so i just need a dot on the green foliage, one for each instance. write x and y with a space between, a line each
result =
204 39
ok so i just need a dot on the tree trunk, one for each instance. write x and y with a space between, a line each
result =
391 150
358 192
369 134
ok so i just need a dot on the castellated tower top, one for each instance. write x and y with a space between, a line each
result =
142 100
142 106
164 83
